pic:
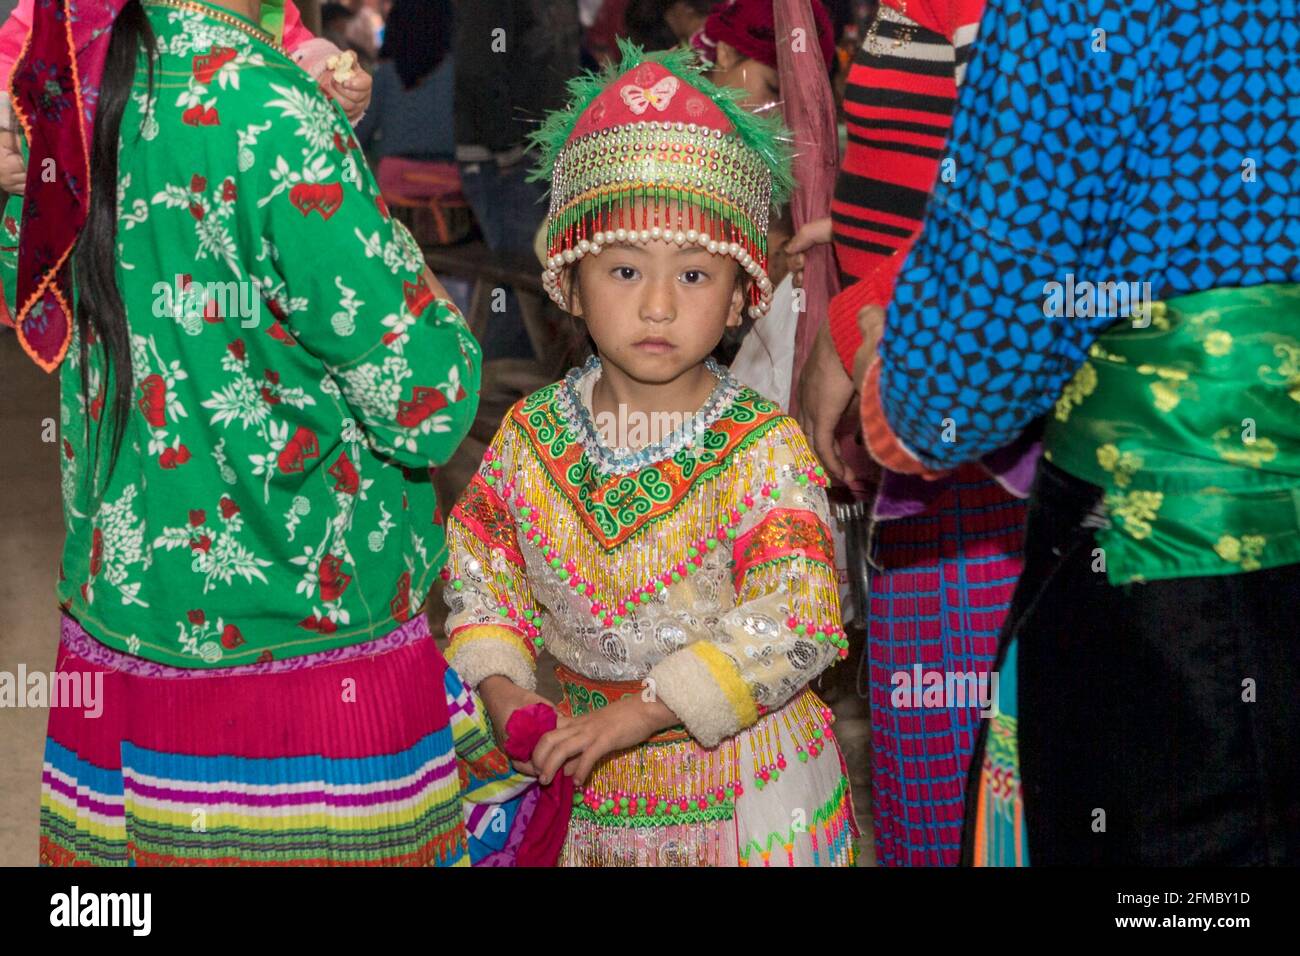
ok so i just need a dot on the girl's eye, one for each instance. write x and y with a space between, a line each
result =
693 276
624 272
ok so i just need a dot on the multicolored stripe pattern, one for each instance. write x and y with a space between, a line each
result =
384 760
997 832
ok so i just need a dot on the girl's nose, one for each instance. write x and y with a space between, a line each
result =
659 304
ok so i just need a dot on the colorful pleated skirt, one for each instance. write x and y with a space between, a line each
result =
939 604
369 755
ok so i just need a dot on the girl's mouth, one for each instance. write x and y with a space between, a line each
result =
655 346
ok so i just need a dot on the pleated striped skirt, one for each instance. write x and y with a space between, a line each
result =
936 609
369 755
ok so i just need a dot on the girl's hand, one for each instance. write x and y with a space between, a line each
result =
352 93
871 323
576 745
502 697
825 393
815 233
13 168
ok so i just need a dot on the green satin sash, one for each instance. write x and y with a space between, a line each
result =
1192 427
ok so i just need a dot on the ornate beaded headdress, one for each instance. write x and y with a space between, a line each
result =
651 149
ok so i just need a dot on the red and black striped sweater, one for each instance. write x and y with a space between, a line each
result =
899 102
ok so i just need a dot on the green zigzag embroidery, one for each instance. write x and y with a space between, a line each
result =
837 804
709 473
718 813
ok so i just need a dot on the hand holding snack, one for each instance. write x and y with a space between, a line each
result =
346 82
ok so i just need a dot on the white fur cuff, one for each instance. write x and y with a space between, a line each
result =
479 656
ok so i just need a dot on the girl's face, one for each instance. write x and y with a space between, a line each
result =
656 310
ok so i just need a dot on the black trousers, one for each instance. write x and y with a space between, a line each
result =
1159 723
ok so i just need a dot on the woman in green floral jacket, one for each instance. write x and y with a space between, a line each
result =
258 378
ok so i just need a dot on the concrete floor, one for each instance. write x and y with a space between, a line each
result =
30 545
31 539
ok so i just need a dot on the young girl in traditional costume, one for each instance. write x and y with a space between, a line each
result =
687 586
258 376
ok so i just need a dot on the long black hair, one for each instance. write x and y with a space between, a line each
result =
99 305
417 37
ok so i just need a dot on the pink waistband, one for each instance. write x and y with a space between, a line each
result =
78 641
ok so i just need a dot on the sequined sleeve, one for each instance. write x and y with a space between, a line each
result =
785 628
493 619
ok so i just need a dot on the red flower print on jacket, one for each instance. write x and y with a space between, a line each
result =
267 394
324 198
96 551
333 582
231 638
153 400
199 115
277 330
205 65
297 450
345 475
424 402
401 603
174 457
228 507
321 625
418 296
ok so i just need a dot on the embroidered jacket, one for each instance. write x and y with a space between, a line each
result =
703 565
294 379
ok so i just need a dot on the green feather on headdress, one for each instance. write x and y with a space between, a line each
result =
765 135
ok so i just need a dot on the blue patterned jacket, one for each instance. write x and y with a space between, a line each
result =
1150 142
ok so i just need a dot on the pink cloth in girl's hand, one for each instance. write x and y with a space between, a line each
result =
550 823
